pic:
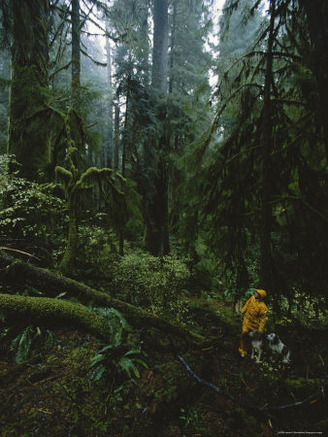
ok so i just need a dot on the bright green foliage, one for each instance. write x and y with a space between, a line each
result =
100 245
141 278
27 209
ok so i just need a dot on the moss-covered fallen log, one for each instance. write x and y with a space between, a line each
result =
53 312
18 272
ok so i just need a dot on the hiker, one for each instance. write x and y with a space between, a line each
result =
255 315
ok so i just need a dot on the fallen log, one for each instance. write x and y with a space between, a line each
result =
15 271
53 312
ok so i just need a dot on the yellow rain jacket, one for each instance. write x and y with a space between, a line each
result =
255 312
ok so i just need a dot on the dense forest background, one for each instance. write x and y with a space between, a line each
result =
159 159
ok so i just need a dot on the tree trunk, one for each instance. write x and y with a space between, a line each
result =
156 214
160 48
116 137
266 268
29 130
126 131
76 53
67 264
171 79
317 17
144 37
107 152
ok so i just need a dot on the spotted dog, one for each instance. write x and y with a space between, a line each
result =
278 347
256 339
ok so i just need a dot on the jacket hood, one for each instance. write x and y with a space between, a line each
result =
262 293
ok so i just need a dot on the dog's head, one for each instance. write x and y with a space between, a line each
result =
255 335
273 338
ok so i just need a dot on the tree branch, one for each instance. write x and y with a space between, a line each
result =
101 64
309 400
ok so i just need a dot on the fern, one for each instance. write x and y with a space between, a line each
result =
49 339
110 354
97 359
97 374
23 343
128 365
116 323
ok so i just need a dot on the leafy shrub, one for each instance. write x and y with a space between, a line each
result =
98 248
27 210
143 279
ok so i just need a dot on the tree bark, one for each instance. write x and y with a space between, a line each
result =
266 272
171 74
317 18
156 209
29 130
160 48
67 262
107 151
76 53
116 137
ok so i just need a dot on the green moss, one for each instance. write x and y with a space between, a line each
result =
79 359
301 383
53 312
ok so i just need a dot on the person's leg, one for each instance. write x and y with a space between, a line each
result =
243 344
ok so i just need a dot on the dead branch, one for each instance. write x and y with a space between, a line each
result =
19 251
309 400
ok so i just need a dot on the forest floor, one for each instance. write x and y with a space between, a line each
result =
54 392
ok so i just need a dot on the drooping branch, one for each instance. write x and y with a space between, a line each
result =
100 64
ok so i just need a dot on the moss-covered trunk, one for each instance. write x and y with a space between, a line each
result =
53 312
29 130
67 264
21 274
